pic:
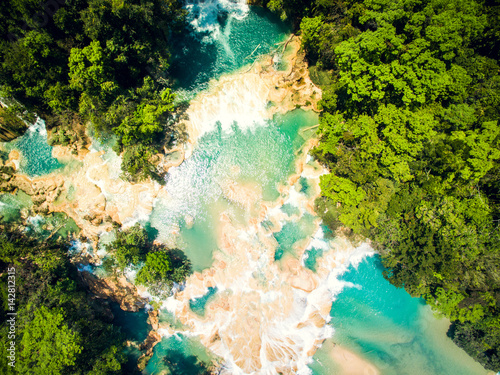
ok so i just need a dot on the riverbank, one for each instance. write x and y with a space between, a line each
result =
98 200
94 195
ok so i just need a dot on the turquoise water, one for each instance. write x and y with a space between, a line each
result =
133 325
263 156
291 233
304 187
312 256
198 304
11 205
385 325
313 253
179 355
224 36
290 210
381 323
372 318
199 241
36 153
54 225
228 43
168 317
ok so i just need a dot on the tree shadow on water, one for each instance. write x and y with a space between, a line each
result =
180 364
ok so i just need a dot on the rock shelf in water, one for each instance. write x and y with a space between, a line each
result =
264 91
94 195
267 316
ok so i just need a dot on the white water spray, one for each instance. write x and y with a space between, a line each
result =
205 16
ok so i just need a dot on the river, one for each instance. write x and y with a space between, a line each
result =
274 290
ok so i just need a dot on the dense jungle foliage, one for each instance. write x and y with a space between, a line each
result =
95 62
59 327
410 133
98 61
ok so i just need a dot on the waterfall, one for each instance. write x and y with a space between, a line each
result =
207 17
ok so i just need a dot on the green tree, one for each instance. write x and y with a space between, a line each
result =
48 346
147 121
53 305
110 362
91 73
163 268
157 267
136 164
311 34
105 60
410 134
130 246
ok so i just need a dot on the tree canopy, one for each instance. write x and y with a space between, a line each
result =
160 267
48 345
410 134
60 327
102 61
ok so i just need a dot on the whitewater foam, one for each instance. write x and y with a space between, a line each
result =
232 100
80 248
205 16
38 127
265 317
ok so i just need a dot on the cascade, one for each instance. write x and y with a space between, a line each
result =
271 285
245 162
263 296
206 16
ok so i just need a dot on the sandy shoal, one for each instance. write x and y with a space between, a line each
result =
350 363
